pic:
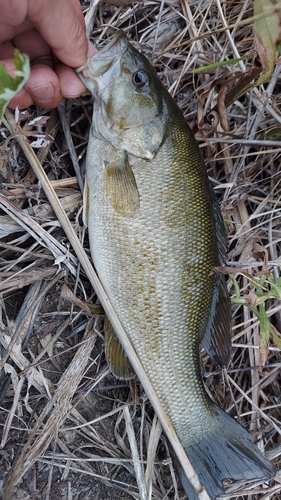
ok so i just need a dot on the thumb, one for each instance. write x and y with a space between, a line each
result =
61 24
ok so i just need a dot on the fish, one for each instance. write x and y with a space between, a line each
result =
156 233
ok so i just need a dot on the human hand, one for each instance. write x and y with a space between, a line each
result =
52 34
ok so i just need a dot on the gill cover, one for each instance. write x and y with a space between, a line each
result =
120 83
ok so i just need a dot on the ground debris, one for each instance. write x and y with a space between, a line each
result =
69 429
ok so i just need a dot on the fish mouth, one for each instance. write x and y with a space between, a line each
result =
113 43
101 62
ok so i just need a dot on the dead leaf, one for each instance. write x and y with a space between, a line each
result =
264 349
275 336
39 120
251 297
260 253
67 294
231 87
228 270
46 342
42 141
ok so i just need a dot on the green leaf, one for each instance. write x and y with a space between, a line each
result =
267 35
264 338
9 85
217 65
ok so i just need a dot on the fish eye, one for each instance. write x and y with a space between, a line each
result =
140 79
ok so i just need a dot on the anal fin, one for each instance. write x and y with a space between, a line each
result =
116 357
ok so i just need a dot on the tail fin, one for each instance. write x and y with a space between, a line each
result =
228 454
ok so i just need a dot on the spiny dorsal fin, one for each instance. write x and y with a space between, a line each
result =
217 339
221 233
116 357
121 188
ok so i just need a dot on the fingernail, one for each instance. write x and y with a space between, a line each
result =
43 92
92 50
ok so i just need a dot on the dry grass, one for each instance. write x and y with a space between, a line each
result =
69 429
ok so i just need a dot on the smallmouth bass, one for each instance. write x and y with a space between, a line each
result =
155 234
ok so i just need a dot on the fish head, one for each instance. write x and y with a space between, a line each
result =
129 106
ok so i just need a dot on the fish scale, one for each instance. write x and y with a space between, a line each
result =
147 256
156 233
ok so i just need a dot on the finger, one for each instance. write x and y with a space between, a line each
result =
31 43
92 50
13 12
22 99
44 86
9 31
46 95
70 84
7 52
77 7
61 25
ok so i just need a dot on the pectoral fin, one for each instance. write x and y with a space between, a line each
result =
217 339
120 187
85 203
115 355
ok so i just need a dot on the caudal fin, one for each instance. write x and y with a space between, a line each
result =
228 454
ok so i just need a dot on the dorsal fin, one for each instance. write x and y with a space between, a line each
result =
220 231
217 338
